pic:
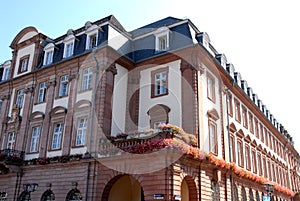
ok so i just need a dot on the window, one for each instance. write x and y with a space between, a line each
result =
266 137
247 156
256 128
158 114
232 148
92 41
215 191
63 86
57 136
19 99
87 79
229 102
81 132
162 39
159 82
11 139
240 153
245 118
155 125
244 195
35 136
162 43
269 175
49 57
6 74
237 110
213 141
265 167
262 136
254 165
42 92
251 123
211 88
69 49
259 164
23 65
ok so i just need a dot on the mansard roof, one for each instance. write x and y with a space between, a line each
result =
111 19
153 26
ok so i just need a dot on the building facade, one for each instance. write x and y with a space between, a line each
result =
101 113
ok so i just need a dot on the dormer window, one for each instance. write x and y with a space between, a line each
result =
23 65
162 39
69 44
49 52
92 35
6 70
92 41
49 57
69 50
6 74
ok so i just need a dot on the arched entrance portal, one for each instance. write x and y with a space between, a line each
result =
188 189
125 188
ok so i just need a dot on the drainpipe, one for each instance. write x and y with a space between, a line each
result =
87 181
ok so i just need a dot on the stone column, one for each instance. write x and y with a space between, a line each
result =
47 120
22 135
67 142
189 98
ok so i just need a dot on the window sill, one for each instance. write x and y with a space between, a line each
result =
160 95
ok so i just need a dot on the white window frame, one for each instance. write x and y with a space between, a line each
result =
160 83
11 140
19 98
63 86
6 73
35 137
91 31
87 77
24 65
49 52
162 32
69 50
81 132
42 92
57 136
213 141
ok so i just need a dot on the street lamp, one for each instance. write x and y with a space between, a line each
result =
30 188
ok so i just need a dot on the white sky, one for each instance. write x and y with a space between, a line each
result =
259 37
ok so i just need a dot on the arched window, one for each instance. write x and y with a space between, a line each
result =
215 191
74 195
244 195
48 195
159 114
257 196
235 193
251 195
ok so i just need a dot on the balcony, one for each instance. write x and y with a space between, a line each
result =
142 142
11 157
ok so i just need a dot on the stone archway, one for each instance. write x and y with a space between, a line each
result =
188 189
123 187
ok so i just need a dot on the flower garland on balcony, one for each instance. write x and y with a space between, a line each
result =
221 163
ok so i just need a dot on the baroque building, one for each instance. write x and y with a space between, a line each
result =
102 113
